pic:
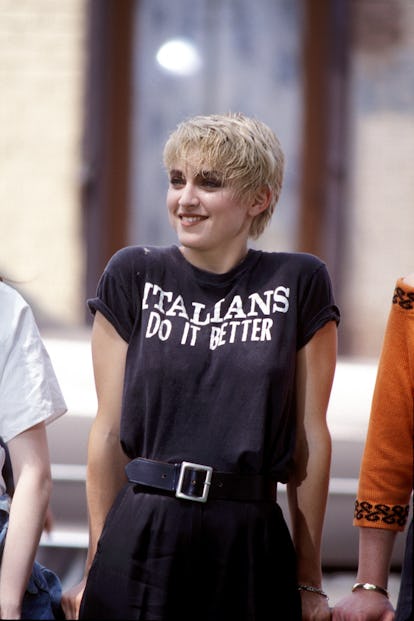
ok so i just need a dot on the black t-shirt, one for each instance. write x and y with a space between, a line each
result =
210 371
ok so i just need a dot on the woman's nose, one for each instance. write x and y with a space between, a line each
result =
189 196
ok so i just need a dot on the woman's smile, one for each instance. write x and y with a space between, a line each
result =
191 220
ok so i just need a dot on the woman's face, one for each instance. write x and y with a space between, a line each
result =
205 213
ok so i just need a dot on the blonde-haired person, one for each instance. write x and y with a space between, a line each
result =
386 474
213 365
30 398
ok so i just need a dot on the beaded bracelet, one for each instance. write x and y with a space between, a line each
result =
312 589
367 586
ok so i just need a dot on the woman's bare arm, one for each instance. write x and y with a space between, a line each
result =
308 488
106 460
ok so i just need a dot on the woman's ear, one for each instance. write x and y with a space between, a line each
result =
260 201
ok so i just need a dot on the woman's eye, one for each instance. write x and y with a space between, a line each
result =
174 181
211 182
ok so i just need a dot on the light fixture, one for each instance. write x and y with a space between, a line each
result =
179 56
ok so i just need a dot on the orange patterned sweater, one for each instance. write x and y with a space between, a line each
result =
386 475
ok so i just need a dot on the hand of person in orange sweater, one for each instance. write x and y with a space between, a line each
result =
363 606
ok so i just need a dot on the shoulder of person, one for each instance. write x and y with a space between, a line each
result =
134 256
300 261
408 280
10 295
12 302
403 297
17 319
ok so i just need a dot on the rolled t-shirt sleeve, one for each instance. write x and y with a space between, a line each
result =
317 304
117 296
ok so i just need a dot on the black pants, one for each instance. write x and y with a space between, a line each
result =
164 559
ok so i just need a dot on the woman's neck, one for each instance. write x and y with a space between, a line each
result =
210 261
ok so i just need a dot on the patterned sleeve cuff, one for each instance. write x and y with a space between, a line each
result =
380 515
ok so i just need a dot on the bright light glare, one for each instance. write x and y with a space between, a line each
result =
179 56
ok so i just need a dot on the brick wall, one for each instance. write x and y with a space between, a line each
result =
41 82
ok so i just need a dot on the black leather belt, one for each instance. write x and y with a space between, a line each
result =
198 482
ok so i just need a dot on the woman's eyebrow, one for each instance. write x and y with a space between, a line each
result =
210 174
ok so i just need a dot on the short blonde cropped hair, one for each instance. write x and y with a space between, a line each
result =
245 153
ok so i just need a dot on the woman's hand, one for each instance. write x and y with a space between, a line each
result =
315 607
71 600
363 606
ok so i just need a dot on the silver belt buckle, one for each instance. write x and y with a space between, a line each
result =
207 481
